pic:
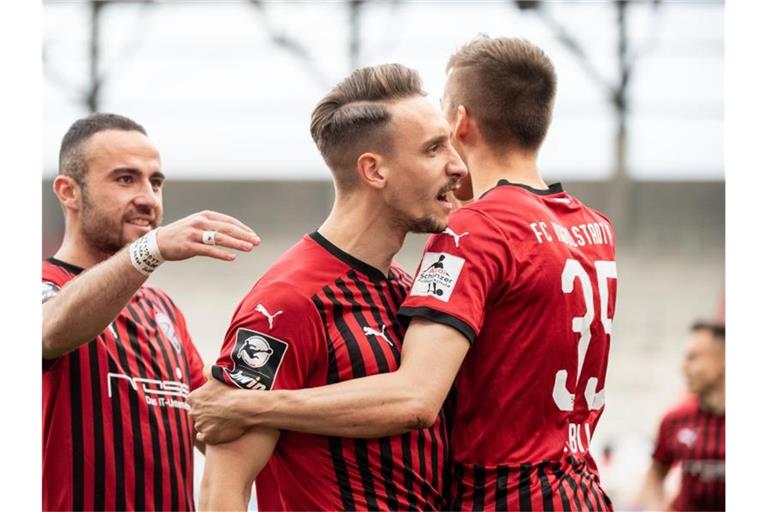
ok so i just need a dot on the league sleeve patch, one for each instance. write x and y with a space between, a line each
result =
49 291
438 275
257 358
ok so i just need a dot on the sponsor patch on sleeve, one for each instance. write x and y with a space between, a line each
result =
49 291
257 358
438 275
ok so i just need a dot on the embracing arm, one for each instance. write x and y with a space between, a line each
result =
375 406
231 468
86 305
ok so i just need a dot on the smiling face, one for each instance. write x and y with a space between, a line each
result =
423 167
122 191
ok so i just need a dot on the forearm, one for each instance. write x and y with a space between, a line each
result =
652 494
375 406
231 468
86 305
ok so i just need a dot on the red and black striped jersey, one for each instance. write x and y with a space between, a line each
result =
320 316
116 432
695 439
529 277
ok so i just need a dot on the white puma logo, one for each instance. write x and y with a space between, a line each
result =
449 231
372 332
261 309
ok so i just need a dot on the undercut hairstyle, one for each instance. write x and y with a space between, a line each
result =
72 159
716 329
354 117
508 86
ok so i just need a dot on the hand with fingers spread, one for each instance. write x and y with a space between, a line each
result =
204 234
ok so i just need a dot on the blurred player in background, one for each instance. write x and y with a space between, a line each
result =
118 362
325 312
514 300
693 433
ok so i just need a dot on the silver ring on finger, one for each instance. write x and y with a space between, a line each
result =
209 237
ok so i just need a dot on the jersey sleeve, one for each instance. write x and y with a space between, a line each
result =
275 338
53 280
460 271
661 449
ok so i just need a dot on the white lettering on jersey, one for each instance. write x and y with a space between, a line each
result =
438 275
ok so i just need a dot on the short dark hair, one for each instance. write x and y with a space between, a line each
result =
508 85
716 329
72 161
354 118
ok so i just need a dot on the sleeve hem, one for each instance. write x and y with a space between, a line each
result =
441 318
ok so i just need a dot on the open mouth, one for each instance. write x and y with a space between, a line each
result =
446 197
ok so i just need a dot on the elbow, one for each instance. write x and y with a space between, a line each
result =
422 413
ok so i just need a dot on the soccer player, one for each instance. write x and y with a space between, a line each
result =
118 362
325 312
693 433
514 300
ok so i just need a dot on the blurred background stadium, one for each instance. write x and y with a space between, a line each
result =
225 90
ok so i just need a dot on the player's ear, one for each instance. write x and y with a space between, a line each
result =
463 124
68 192
371 171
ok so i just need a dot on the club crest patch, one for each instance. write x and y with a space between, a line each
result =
438 275
166 327
257 358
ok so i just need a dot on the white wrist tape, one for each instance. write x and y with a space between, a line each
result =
145 253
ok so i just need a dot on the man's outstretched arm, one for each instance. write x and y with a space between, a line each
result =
231 468
85 306
375 406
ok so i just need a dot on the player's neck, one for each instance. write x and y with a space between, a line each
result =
75 251
361 228
713 400
488 167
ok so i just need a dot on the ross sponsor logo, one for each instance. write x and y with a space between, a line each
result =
369 331
157 393
261 309
166 327
256 357
437 276
449 231
49 291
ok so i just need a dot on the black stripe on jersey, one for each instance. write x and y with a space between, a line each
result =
339 465
440 318
565 503
422 462
358 370
117 439
434 434
391 302
139 491
405 443
157 467
173 468
458 481
524 498
184 432
546 488
445 484
478 487
502 477
76 400
99 457
574 490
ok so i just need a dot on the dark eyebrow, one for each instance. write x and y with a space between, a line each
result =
440 139
134 172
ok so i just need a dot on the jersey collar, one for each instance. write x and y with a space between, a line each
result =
555 188
359 265
66 266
